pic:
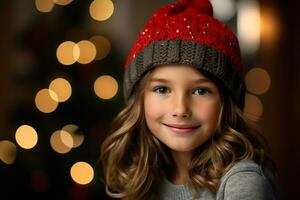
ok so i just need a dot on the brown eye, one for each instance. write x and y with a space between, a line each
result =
201 91
161 90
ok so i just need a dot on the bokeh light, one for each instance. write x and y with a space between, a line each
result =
248 26
61 88
224 10
257 81
44 5
76 134
67 53
82 173
269 26
103 46
106 87
66 138
62 2
46 100
253 107
87 52
57 144
26 136
8 152
101 10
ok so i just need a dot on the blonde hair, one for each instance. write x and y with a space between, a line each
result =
134 160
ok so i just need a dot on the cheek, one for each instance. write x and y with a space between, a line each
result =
152 108
210 112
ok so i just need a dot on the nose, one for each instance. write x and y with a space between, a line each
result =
181 107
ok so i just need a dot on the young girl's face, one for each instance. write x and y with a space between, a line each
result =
182 106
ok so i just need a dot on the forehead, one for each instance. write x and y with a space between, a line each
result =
177 71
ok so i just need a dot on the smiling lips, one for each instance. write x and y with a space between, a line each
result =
181 128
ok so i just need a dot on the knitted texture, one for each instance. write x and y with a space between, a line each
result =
186 33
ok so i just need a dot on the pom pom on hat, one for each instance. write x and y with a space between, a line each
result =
200 6
186 33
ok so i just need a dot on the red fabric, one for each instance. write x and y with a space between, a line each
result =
189 20
199 5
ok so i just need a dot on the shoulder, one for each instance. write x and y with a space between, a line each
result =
245 180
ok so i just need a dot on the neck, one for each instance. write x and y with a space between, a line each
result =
182 160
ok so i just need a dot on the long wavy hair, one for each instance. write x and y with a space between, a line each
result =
134 161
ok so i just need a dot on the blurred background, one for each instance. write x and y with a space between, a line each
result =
61 69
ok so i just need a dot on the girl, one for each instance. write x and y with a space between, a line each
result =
182 134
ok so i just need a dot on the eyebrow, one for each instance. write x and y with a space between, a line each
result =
162 80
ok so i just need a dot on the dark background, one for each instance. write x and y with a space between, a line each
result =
28 42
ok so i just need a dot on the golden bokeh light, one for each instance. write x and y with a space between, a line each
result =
57 144
26 137
106 87
258 81
66 138
44 5
67 53
61 88
76 134
101 10
46 100
248 26
62 2
82 173
270 26
87 52
102 46
8 152
253 107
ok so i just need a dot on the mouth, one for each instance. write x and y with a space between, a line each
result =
182 128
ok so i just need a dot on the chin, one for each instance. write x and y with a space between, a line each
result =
182 148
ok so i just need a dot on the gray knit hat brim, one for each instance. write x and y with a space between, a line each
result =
177 51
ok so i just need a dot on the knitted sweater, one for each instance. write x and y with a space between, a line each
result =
244 181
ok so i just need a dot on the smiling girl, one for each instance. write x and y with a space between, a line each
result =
182 134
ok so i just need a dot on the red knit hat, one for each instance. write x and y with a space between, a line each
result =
185 32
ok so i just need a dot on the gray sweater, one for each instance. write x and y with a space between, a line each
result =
244 181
